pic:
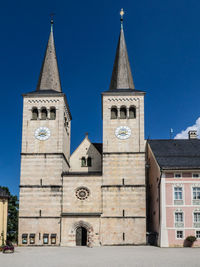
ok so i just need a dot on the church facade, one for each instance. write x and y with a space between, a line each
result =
97 195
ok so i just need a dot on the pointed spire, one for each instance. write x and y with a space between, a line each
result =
121 75
49 75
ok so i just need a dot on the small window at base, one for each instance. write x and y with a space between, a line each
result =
179 234
24 238
53 239
45 239
32 239
197 234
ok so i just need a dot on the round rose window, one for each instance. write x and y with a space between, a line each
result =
82 193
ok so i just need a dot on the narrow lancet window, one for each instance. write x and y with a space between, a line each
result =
52 113
43 113
34 114
123 113
114 113
132 113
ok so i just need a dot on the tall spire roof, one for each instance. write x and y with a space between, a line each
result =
121 75
49 75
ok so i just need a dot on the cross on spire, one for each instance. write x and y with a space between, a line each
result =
122 15
52 16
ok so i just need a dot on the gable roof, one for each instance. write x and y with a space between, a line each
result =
176 153
98 146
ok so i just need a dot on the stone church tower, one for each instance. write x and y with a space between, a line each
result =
96 195
45 154
123 188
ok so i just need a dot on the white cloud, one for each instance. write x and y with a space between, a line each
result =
184 133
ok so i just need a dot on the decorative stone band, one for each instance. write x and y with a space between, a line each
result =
124 217
47 154
39 217
196 225
40 186
119 153
83 214
126 185
31 101
82 174
179 224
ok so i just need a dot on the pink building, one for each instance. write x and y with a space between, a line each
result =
173 187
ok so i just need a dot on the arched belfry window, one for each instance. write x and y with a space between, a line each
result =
89 162
34 114
132 113
123 113
83 162
52 113
43 113
114 113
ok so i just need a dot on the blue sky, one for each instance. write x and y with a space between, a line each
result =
163 41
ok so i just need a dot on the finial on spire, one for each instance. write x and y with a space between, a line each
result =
52 16
121 14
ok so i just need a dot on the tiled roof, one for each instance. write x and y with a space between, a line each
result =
177 153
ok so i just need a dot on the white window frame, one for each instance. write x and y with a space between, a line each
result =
195 186
178 186
178 173
180 238
196 211
195 174
177 211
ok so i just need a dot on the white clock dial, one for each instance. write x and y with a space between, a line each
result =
42 133
123 132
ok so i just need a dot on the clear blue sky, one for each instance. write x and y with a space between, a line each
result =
163 41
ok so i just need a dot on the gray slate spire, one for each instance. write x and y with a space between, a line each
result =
121 75
49 75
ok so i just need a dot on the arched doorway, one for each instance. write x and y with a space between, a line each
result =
81 236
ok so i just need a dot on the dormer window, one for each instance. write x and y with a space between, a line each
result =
86 162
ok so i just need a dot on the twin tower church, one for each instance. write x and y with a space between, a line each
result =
96 195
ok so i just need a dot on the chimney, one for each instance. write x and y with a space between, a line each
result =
192 134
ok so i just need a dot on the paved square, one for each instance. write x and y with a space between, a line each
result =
101 256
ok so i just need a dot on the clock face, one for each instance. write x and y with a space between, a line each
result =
123 132
42 133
